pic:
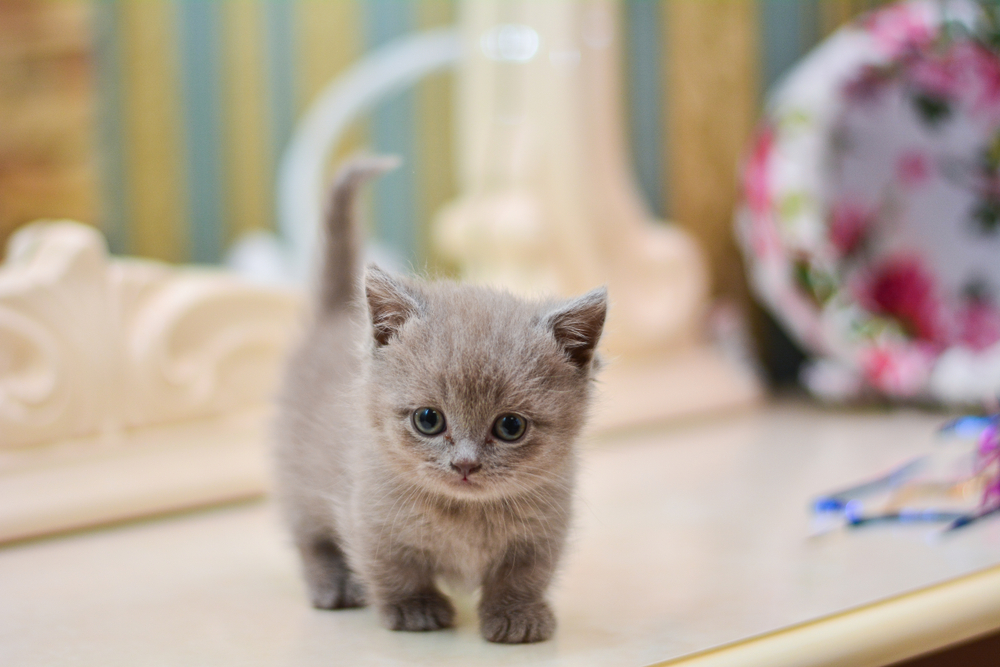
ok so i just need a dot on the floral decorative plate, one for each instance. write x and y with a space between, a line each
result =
871 210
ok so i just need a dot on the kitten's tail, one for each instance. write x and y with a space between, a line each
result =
341 242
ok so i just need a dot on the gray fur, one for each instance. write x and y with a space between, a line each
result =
378 511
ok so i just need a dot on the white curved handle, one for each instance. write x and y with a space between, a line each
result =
392 68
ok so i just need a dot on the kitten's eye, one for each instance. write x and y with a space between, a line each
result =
509 427
428 421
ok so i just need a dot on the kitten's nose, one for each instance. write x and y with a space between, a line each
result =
465 466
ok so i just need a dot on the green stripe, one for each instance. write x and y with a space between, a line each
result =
110 125
200 32
281 72
643 52
393 131
788 30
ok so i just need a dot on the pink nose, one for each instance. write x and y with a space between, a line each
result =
465 466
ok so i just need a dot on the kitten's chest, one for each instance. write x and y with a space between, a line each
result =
464 544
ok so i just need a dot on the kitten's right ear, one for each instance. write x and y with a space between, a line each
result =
390 303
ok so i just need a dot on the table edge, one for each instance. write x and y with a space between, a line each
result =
876 634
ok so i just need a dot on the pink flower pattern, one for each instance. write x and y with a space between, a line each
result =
913 168
757 193
848 224
979 325
899 371
983 74
935 75
948 77
868 85
903 288
899 28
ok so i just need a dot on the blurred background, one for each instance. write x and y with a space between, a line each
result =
161 122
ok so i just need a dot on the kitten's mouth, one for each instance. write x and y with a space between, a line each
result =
464 470
464 482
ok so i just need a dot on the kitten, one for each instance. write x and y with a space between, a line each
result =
426 431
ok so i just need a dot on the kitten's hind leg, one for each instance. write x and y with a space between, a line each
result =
332 584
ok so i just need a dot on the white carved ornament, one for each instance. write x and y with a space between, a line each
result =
91 344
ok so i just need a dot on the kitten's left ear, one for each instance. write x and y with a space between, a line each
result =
390 303
577 325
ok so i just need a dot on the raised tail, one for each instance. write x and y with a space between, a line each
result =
340 238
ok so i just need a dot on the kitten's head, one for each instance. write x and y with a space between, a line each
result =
474 392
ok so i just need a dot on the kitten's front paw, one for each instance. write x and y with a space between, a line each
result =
429 610
518 624
340 593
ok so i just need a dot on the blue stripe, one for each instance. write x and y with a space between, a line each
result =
199 36
809 25
788 30
281 74
110 126
394 131
644 50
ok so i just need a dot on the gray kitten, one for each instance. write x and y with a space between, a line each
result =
427 431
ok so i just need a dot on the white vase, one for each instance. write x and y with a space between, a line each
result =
548 203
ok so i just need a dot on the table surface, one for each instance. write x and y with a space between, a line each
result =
686 538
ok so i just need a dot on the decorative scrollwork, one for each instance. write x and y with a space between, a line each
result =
92 344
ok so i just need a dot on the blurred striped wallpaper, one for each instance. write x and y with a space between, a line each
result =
196 100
